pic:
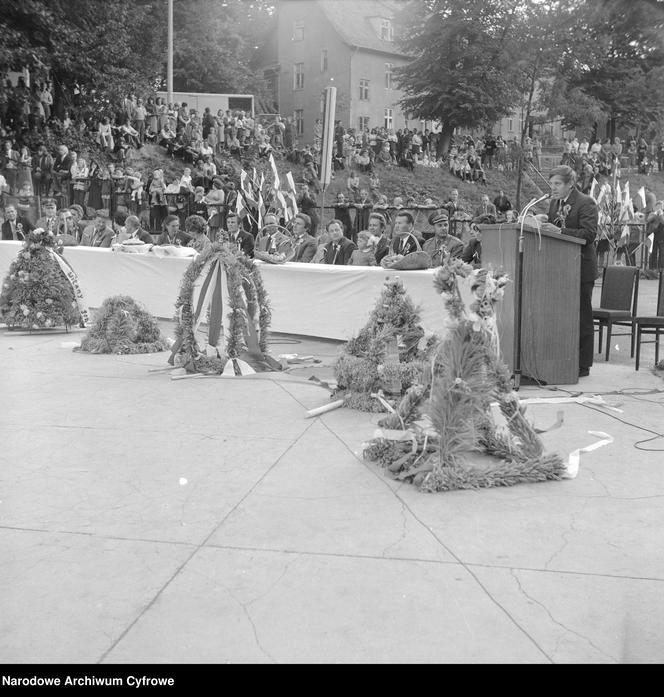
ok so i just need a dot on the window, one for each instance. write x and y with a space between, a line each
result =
364 89
364 123
388 76
388 118
298 76
298 115
386 31
298 31
510 125
323 60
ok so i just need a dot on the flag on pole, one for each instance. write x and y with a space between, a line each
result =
240 208
592 188
261 210
642 193
277 181
618 192
627 207
291 182
284 206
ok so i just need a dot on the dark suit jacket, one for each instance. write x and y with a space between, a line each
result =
581 222
7 230
382 249
346 248
144 236
305 250
246 242
411 245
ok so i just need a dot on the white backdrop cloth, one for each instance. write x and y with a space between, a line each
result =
331 302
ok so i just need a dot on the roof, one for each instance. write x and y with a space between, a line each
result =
351 20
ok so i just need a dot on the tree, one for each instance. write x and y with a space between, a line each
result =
214 43
613 65
108 48
463 63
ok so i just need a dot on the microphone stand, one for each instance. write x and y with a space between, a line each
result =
519 293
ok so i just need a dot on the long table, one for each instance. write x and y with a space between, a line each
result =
331 302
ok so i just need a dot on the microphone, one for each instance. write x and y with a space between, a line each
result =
532 203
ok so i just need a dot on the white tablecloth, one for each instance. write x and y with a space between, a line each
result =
332 302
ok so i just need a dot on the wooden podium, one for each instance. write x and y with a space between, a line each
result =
551 280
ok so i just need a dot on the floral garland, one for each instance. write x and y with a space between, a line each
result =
36 293
244 282
122 326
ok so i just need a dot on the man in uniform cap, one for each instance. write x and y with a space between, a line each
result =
442 243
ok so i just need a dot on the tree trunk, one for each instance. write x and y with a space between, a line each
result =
444 138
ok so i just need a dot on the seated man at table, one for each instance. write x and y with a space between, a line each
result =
485 212
271 240
100 233
304 245
50 215
442 244
135 231
235 235
339 249
378 228
15 227
404 240
472 252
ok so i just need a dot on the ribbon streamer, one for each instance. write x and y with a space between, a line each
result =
71 276
575 456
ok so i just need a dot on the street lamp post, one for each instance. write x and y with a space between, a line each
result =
169 69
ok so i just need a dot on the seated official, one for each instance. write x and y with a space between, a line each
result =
15 226
304 245
442 243
339 249
100 233
472 252
502 203
48 221
378 228
136 232
171 233
196 228
235 235
271 240
486 212
404 241
66 230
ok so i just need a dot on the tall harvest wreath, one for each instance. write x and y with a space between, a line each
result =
223 289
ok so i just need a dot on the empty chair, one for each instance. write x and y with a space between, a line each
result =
651 326
617 306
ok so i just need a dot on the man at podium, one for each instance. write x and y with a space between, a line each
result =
575 214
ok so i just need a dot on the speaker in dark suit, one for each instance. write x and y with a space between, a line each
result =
304 245
575 214
236 235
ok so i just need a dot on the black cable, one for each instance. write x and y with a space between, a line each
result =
627 423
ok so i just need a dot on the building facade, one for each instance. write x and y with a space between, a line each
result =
327 43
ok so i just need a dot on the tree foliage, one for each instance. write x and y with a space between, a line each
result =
213 45
461 72
110 47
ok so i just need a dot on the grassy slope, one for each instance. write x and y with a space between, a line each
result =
424 182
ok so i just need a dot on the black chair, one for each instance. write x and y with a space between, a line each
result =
620 295
651 326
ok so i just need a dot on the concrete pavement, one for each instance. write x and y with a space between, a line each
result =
205 520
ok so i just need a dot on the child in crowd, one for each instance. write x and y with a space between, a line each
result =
365 254
157 188
135 184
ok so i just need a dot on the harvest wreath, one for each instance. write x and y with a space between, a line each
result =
429 438
225 288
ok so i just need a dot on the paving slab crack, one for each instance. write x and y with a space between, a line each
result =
555 621
440 542
179 569
564 535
